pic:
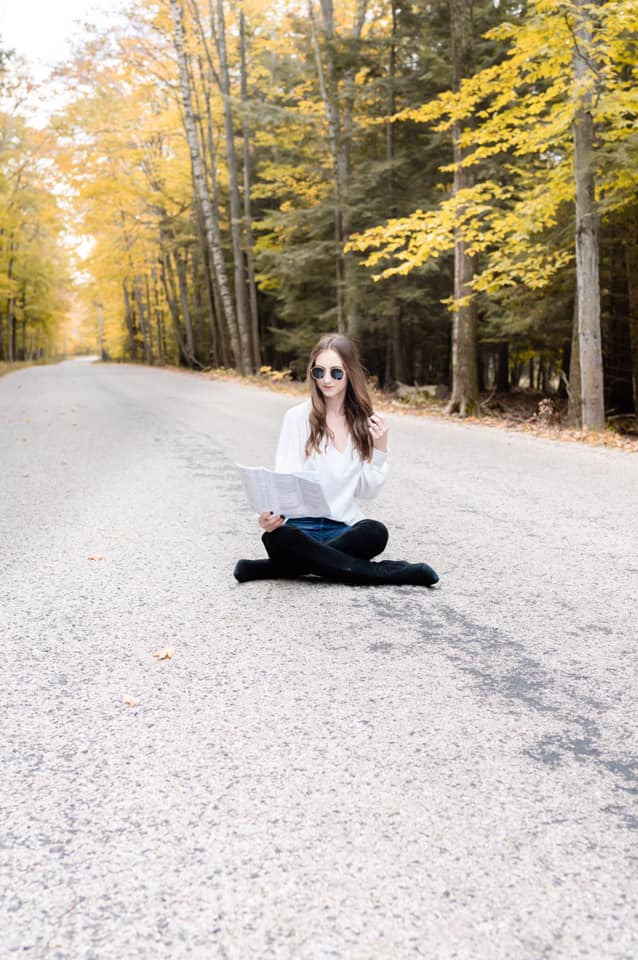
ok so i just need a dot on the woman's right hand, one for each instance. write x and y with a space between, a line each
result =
269 522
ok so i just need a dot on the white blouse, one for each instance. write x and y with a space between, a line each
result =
343 476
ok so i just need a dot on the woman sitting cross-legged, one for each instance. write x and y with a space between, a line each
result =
334 437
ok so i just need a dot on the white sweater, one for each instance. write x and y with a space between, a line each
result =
343 476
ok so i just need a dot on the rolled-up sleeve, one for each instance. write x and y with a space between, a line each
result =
373 475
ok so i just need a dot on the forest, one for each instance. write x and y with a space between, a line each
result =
452 183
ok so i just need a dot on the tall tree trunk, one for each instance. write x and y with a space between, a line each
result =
587 254
351 269
5 346
129 318
207 141
23 322
221 343
340 137
398 355
180 269
198 303
332 116
224 341
157 313
631 259
171 299
147 342
574 418
464 398
199 184
10 307
241 290
149 310
248 220
100 330
3 350
11 326
218 333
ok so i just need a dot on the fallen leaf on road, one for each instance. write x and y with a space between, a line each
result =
164 653
131 702
95 556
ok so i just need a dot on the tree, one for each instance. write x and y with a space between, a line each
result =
464 397
592 412
34 268
240 346
528 112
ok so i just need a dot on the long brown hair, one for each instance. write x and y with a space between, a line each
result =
357 405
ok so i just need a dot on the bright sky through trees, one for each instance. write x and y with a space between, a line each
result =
40 30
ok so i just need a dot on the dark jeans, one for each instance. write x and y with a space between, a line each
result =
319 528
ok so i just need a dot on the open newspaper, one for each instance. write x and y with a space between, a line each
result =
288 494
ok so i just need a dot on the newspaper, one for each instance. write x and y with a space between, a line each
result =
288 494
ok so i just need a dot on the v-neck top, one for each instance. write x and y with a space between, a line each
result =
344 476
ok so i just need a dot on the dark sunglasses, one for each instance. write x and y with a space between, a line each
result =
318 373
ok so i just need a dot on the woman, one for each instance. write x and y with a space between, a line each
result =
338 439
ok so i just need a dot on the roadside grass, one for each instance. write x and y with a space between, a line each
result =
6 367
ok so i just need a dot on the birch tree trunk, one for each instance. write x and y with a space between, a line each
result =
220 346
241 290
248 220
592 405
200 186
208 147
226 348
465 392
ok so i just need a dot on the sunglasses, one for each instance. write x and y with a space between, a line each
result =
318 373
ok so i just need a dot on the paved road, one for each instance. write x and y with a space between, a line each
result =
320 771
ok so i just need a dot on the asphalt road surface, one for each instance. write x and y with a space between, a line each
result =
319 771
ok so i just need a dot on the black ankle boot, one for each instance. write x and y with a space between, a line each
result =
246 570
401 572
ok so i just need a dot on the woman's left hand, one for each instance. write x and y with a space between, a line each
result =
379 432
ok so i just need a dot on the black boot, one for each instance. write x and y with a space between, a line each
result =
287 544
246 570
